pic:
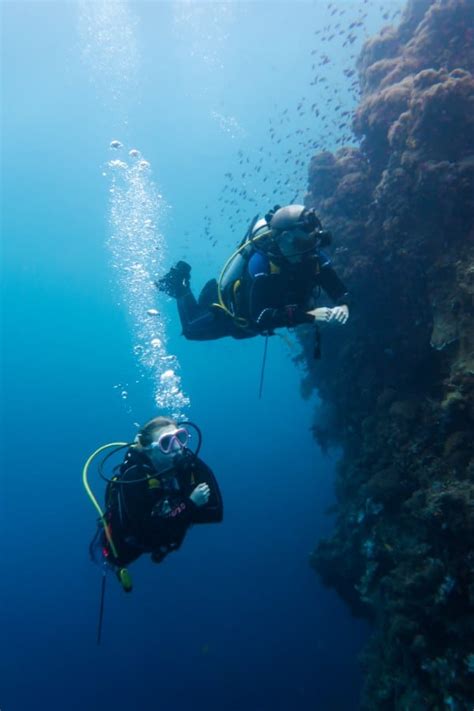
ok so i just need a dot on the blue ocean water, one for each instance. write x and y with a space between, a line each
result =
236 619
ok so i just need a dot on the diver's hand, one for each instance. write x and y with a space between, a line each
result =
321 314
283 317
339 314
200 495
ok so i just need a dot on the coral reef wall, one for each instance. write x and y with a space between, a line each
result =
397 383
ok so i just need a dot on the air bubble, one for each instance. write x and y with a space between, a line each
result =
138 251
167 375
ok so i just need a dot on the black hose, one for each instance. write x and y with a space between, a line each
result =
101 608
262 372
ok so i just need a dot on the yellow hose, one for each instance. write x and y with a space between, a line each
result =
90 494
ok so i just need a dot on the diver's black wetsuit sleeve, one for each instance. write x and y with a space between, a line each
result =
213 511
267 307
333 286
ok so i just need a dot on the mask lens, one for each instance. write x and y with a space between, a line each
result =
297 243
306 227
165 442
182 435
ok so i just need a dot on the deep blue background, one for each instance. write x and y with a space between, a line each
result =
237 619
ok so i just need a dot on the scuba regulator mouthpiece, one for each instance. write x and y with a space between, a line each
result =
323 238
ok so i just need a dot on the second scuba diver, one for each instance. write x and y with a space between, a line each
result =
271 281
160 490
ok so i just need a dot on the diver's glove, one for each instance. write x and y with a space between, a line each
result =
176 282
284 317
339 314
200 495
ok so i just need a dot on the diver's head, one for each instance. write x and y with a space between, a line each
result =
297 232
163 441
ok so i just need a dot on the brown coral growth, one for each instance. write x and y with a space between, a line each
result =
397 384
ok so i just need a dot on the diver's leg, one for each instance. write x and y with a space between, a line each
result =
198 320
200 323
209 294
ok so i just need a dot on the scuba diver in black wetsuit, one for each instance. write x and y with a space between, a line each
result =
271 281
158 492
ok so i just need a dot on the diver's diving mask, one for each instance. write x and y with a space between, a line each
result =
303 238
172 441
310 224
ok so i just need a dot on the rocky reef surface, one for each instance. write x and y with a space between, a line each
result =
397 383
